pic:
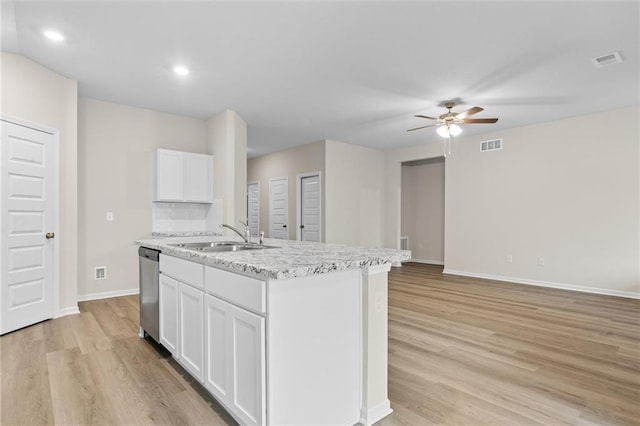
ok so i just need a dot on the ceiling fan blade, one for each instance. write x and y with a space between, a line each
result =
425 116
479 120
423 127
470 111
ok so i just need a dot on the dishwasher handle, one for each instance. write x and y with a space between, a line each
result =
151 254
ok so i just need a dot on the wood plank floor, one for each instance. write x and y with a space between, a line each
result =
468 351
462 351
93 368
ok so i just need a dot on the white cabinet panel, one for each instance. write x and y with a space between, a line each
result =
217 325
168 295
169 175
191 330
183 270
249 293
183 177
235 351
248 366
198 175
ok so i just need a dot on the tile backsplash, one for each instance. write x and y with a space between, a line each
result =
183 217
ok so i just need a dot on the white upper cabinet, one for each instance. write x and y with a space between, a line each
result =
183 177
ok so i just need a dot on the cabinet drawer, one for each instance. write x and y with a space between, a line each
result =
246 292
185 271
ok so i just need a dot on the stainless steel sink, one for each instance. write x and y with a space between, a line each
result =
207 244
222 246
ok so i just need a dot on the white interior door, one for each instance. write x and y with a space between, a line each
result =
279 208
309 218
27 208
253 207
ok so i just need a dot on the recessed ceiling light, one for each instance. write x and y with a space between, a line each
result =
53 35
180 70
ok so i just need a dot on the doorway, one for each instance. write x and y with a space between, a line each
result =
309 207
422 209
253 208
28 210
279 208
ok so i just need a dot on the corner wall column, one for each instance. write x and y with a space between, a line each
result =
375 401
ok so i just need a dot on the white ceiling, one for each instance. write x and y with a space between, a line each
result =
354 72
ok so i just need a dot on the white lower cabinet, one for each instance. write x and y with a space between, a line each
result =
219 377
235 342
168 298
191 330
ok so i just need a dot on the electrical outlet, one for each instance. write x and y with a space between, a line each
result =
541 261
508 258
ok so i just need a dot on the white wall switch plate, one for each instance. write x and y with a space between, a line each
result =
109 216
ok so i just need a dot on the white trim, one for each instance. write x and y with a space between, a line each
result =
73 310
299 178
108 294
561 286
369 416
428 262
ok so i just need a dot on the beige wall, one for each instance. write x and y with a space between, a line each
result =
566 191
41 96
226 140
355 194
289 163
423 209
115 169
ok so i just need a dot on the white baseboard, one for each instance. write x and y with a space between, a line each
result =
429 262
370 415
561 286
107 294
63 312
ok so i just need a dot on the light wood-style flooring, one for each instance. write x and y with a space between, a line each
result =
466 351
462 351
93 368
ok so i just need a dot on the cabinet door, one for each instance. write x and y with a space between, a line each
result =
247 341
217 347
168 298
169 175
191 330
198 175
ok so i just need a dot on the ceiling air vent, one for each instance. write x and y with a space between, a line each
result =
491 145
608 59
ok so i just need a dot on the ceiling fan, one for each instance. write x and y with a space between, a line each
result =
449 121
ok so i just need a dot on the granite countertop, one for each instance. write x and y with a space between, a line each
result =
290 259
184 234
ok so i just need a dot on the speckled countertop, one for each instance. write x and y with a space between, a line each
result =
289 260
184 234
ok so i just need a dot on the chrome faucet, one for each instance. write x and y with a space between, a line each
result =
247 235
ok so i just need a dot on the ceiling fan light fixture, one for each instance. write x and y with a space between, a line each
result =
455 130
448 131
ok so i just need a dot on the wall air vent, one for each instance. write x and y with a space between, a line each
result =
100 273
491 145
608 59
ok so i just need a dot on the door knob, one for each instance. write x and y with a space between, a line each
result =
301 226
284 226
49 235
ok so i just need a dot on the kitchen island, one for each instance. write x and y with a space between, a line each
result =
294 334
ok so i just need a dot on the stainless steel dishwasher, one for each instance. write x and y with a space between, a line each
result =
149 300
